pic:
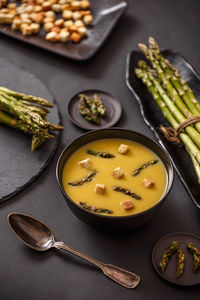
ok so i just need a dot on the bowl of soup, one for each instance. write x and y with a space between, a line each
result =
114 178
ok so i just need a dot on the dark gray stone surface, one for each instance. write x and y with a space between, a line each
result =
18 165
25 274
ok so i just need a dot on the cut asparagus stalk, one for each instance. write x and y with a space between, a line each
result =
126 192
95 209
100 154
167 254
144 166
180 262
86 179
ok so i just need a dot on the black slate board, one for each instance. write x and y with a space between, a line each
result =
154 118
106 13
18 165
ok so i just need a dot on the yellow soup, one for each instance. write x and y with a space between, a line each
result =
110 199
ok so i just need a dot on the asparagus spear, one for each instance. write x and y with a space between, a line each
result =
175 78
180 263
86 113
28 98
167 254
95 209
37 141
101 110
126 192
88 178
100 154
90 104
14 123
42 111
176 74
144 166
193 249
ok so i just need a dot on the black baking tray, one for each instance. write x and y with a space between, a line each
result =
106 13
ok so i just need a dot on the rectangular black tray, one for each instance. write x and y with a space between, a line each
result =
106 13
154 118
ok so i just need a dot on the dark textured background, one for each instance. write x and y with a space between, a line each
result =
27 275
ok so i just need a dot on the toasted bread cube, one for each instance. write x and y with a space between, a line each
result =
62 2
38 8
85 4
24 16
11 5
29 8
35 28
59 22
55 29
52 37
75 4
26 29
88 19
86 163
100 188
6 18
47 26
82 31
68 23
64 36
27 21
46 5
76 15
56 7
127 204
75 37
4 10
118 173
48 19
123 149
16 24
67 14
39 1
50 14
148 182
37 17
79 23
85 12
72 29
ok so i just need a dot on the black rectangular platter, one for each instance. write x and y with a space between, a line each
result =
106 13
154 118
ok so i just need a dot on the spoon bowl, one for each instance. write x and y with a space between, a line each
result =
34 234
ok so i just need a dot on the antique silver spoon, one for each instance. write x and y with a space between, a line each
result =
38 236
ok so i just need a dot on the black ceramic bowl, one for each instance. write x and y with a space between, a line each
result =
109 222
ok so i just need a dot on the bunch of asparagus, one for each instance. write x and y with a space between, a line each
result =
27 113
173 96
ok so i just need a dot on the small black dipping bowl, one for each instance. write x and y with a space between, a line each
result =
108 222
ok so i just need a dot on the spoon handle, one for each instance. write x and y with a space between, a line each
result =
121 276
